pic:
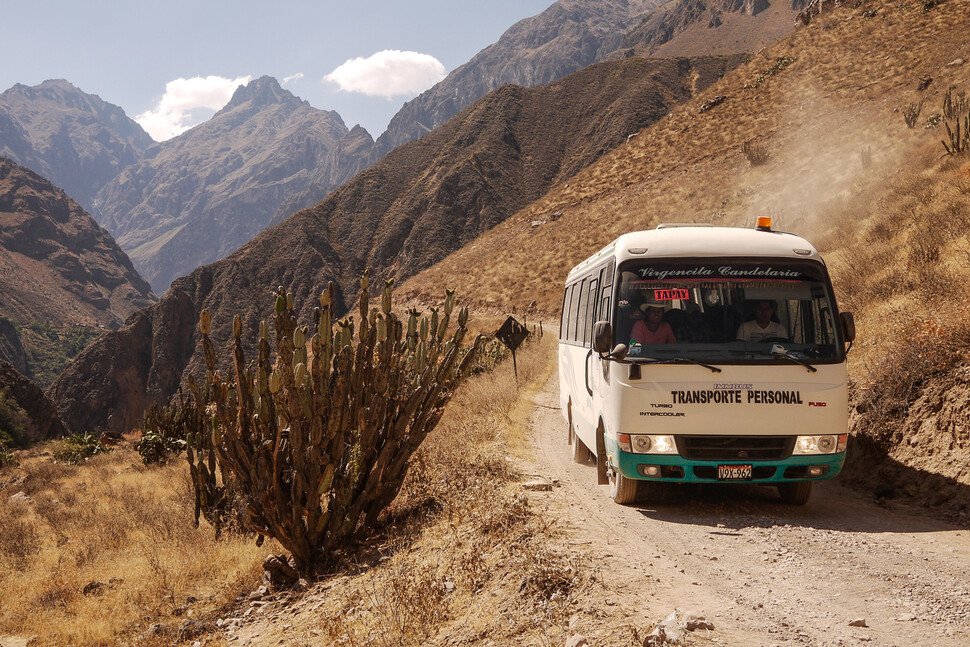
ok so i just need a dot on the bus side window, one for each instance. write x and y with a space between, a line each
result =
578 306
581 312
589 318
564 314
569 319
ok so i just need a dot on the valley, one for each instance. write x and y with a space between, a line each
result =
841 128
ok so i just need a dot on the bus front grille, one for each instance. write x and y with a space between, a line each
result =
734 448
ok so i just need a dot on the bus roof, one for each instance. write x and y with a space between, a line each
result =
686 241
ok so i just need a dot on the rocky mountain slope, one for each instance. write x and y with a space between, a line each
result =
57 264
196 198
712 27
72 138
566 37
419 203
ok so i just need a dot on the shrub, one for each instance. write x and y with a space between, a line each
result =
50 350
780 64
164 429
78 448
13 420
911 113
756 154
926 350
319 447
6 456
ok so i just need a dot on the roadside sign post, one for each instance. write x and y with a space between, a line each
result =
512 334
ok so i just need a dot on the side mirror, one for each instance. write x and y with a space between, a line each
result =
602 337
848 325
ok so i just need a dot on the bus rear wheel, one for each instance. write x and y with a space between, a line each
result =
795 492
623 490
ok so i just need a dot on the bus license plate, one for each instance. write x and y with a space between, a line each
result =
734 472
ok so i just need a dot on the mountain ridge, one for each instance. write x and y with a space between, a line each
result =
75 139
526 54
265 145
421 201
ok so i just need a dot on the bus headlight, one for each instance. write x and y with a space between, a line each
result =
641 444
829 444
647 444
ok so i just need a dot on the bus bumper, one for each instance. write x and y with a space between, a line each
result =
676 469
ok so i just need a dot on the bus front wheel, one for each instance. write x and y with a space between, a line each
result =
623 490
795 492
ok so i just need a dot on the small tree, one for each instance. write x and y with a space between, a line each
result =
318 443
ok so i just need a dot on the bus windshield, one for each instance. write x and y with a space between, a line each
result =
720 310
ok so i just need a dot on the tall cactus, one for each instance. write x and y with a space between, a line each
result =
318 441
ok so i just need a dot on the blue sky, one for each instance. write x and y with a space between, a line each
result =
164 62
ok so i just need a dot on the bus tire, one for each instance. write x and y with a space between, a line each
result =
581 453
623 490
795 492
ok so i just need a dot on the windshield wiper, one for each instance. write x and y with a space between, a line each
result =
780 352
675 360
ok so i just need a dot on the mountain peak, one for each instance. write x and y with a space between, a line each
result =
51 89
261 92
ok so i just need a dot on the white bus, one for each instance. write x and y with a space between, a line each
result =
704 354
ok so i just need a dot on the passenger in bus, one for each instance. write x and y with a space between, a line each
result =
652 329
764 325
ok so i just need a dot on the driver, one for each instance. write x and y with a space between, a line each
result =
652 329
762 327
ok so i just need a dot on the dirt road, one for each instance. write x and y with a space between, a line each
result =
764 573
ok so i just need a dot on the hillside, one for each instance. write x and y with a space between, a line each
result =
72 138
65 278
568 36
197 197
419 203
500 537
58 264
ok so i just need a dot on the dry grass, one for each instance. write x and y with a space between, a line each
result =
459 551
108 521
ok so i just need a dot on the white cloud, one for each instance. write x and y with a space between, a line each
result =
388 73
292 77
178 109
